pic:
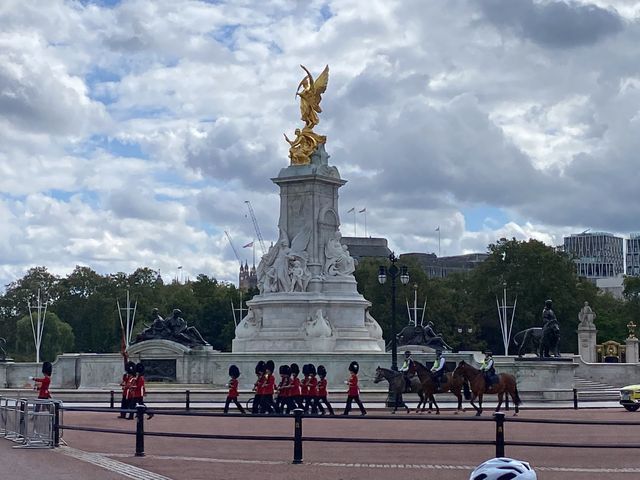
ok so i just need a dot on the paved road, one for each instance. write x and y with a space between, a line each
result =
172 458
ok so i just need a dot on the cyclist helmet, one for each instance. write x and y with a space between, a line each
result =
503 469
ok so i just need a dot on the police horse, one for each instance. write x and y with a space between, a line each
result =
474 379
397 387
451 383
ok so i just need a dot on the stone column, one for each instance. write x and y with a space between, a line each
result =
587 332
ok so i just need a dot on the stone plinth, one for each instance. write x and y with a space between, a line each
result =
587 343
632 350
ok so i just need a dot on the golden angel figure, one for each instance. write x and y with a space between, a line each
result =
310 92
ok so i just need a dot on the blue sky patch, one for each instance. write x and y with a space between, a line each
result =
476 218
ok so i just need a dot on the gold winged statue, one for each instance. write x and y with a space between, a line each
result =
310 92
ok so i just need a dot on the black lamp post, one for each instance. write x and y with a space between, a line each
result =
393 272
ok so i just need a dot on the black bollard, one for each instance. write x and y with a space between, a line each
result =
499 416
56 423
188 399
575 398
140 409
297 436
112 400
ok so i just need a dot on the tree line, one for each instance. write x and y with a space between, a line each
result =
82 313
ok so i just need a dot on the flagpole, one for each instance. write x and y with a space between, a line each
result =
439 254
355 228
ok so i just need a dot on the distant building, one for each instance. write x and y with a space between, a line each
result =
633 255
248 278
442 267
612 285
596 254
364 247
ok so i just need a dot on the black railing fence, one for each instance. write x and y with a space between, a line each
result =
298 439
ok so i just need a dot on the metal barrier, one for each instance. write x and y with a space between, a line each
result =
31 423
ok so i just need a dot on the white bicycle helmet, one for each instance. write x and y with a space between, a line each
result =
503 469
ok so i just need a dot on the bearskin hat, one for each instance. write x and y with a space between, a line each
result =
140 368
131 367
270 366
312 369
260 367
305 369
47 368
295 369
234 371
322 371
354 367
285 370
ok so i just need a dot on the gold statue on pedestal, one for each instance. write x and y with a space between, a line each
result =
310 92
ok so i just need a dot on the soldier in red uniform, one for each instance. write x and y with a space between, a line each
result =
138 391
268 388
311 404
42 383
304 387
127 378
258 388
284 388
232 396
353 393
296 389
323 391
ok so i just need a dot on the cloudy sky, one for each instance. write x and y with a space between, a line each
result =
132 132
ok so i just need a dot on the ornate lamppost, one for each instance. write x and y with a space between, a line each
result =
393 272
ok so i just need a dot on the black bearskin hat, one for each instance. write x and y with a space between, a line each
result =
312 369
285 370
260 367
295 369
140 368
47 368
354 367
322 371
131 367
270 366
234 371
305 369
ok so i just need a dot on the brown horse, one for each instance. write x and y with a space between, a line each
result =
452 383
475 377
397 388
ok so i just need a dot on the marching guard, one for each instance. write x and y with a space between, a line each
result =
268 388
323 391
304 388
296 388
138 391
284 389
353 392
127 394
232 396
311 403
258 388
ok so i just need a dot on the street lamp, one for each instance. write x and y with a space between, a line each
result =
393 272
464 331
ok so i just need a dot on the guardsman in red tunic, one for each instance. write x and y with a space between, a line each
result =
42 383
127 378
232 396
323 391
258 388
269 388
296 389
138 390
284 388
311 404
353 393
304 387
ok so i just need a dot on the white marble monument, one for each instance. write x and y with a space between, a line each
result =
308 300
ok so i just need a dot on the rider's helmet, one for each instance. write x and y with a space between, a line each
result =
407 353
503 469
438 352
488 353
548 303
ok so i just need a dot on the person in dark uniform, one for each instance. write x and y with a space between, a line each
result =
353 392
323 391
268 388
296 390
438 368
232 396
408 369
258 388
488 369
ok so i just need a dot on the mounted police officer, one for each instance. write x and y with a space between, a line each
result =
408 369
437 370
488 369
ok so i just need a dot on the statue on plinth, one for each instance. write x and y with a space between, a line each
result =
338 260
419 335
586 317
550 341
173 328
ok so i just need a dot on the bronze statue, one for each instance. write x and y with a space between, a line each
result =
172 328
418 335
550 339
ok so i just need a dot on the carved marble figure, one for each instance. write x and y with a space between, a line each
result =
338 260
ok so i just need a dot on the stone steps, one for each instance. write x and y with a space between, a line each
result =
591 390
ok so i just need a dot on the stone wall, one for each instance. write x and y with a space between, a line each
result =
616 374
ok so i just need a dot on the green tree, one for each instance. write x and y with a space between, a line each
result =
57 338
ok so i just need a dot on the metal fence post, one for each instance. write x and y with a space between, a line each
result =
112 401
56 424
188 399
499 416
297 436
575 399
140 409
